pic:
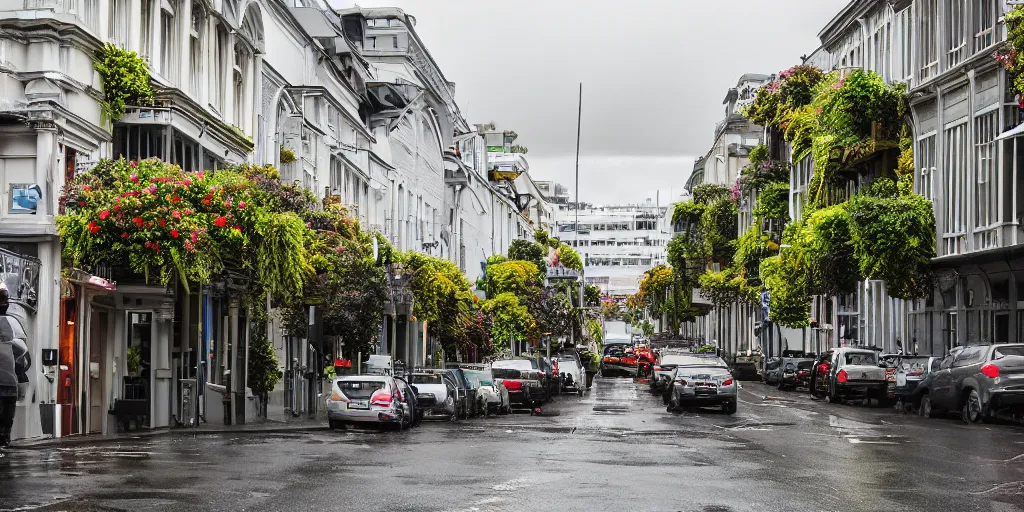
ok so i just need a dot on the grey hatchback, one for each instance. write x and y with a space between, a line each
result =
978 382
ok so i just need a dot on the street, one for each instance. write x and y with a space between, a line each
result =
615 449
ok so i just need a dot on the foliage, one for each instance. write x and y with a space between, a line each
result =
287 156
708 193
788 302
509 318
134 361
706 349
727 286
519 149
823 243
773 202
526 250
591 295
1011 54
718 230
569 258
751 248
905 163
154 218
440 292
591 360
759 154
894 240
125 79
264 371
516 277
654 284
775 101
687 213
595 330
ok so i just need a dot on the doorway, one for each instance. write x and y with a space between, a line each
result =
1001 327
138 382
96 370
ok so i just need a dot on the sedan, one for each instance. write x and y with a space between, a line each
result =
366 399
703 386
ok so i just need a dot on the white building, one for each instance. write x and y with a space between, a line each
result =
618 243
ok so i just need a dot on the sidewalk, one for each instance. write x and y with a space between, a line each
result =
262 426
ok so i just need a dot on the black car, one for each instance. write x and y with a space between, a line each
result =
470 406
790 371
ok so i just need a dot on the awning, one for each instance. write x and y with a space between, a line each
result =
1012 132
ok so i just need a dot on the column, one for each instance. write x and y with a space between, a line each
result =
161 396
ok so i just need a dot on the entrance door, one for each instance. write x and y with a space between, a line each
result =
97 370
138 384
1001 333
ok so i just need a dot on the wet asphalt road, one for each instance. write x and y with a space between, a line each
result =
615 449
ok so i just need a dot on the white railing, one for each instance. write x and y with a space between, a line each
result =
86 11
955 243
987 238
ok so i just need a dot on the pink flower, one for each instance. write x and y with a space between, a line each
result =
241 205
152 189
134 164
134 177
227 203
200 174
187 182
176 214
195 237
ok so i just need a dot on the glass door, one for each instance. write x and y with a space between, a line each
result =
138 382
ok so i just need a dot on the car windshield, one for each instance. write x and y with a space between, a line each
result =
516 364
615 351
805 365
674 359
861 358
913 365
478 378
427 378
359 389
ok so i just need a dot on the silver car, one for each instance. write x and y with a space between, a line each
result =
702 382
373 399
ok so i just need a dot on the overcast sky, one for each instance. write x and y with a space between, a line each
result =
654 75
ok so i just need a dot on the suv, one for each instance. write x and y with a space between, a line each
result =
843 373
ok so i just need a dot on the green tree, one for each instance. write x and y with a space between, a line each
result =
517 277
264 371
509 319
525 250
569 258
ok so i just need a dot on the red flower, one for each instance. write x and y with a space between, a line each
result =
236 227
134 164
176 214
174 233
220 222
163 222
93 228
206 201
81 203
176 199
137 221
124 235
149 244
104 215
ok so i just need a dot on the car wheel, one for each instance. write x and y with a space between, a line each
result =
833 396
925 409
729 407
972 411
782 387
331 424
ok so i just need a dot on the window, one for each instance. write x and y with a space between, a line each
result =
955 179
168 41
394 42
969 356
240 72
926 165
928 15
901 60
984 24
986 198
956 25
118 23
146 30
195 51
371 43
220 69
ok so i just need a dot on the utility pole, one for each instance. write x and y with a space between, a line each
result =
576 227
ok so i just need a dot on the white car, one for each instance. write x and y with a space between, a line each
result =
493 397
434 389
372 399
572 373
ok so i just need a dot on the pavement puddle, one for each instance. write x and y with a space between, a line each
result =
512 485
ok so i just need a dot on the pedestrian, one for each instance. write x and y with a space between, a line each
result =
14 365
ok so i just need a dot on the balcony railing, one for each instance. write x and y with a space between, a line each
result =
85 11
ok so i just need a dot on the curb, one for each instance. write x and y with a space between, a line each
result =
63 442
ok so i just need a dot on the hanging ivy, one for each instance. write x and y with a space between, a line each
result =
751 248
726 287
718 230
773 203
708 193
894 240
125 79
788 302
823 243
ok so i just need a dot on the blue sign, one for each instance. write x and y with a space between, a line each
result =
764 303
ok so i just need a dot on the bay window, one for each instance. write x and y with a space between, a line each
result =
168 40
196 51
956 32
955 179
986 192
985 16
927 39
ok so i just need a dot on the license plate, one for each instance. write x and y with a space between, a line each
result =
703 377
359 404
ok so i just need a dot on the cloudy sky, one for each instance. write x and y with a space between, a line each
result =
654 75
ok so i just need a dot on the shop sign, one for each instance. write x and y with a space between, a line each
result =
24 198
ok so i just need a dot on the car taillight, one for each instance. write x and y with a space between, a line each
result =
381 398
990 370
728 382
554 369
804 373
682 382
513 385
842 377
540 374
911 374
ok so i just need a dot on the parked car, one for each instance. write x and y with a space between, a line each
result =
665 369
747 363
847 372
410 401
979 382
492 398
573 375
523 380
366 399
437 391
541 372
464 394
910 372
618 360
701 382
789 371
470 404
